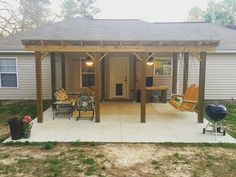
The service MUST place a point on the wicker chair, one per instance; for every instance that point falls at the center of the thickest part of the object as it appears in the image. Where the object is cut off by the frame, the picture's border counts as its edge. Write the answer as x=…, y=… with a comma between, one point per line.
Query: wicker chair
x=85, y=103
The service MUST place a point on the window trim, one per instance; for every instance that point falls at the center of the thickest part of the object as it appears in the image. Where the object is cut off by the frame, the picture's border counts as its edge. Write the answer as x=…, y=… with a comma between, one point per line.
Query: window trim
x=81, y=75
x=17, y=74
x=163, y=58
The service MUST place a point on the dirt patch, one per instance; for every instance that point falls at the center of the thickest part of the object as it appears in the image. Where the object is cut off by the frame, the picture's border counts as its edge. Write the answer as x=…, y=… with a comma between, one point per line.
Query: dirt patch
x=119, y=160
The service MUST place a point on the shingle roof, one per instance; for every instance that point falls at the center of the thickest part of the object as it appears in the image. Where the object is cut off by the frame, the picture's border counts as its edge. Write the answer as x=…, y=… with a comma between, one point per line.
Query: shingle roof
x=127, y=30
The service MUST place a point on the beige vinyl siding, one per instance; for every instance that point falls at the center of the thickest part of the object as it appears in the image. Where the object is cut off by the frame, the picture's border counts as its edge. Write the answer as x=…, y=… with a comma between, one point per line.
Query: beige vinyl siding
x=26, y=79
x=220, y=75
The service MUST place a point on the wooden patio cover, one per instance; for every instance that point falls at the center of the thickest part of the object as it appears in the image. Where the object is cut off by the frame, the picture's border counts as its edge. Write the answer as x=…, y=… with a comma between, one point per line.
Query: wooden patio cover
x=97, y=50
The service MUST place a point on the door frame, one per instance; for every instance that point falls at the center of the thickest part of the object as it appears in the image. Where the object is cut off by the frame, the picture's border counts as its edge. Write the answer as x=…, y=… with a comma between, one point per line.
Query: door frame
x=110, y=78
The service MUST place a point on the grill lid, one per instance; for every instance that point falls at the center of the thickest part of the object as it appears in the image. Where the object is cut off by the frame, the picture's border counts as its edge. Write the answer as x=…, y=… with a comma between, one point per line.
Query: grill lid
x=216, y=108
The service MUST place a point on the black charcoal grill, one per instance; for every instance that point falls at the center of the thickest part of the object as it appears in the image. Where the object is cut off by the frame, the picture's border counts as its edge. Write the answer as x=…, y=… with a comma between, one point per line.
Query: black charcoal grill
x=216, y=114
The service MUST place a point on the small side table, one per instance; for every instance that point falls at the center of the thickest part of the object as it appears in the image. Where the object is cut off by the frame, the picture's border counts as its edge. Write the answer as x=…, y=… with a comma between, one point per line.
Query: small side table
x=163, y=90
x=62, y=108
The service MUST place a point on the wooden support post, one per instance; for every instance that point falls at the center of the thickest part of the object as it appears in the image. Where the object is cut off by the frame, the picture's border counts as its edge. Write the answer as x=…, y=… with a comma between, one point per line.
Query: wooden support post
x=39, y=88
x=185, y=72
x=175, y=73
x=63, y=71
x=134, y=77
x=97, y=58
x=103, y=79
x=202, y=78
x=97, y=90
x=143, y=91
x=53, y=75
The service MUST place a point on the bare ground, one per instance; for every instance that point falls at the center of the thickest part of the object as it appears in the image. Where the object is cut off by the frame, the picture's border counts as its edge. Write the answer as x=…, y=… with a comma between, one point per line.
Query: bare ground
x=119, y=160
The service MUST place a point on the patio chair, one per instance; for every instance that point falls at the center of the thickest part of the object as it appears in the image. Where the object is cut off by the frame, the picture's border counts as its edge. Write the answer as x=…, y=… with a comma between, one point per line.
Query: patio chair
x=188, y=101
x=85, y=103
x=63, y=105
x=62, y=95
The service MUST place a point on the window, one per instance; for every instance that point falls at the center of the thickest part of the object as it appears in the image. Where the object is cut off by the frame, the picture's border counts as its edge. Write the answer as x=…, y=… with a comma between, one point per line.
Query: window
x=162, y=66
x=8, y=72
x=88, y=75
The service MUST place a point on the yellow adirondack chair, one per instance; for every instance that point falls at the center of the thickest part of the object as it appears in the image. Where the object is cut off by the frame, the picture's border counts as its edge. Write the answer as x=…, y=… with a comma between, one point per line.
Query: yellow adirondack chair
x=188, y=101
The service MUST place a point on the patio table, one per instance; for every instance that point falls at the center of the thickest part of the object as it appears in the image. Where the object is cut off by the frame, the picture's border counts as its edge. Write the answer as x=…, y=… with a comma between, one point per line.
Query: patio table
x=62, y=108
x=163, y=90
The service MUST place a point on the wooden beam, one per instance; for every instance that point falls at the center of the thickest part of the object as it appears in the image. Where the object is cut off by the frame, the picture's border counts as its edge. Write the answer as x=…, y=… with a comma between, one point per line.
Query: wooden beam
x=63, y=71
x=44, y=55
x=105, y=54
x=143, y=91
x=109, y=49
x=185, y=72
x=39, y=88
x=97, y=90
x=53, y=75
x=175, y=73
x=137, y=56
x=202, y=78
x=150, y=56
x=90, y=56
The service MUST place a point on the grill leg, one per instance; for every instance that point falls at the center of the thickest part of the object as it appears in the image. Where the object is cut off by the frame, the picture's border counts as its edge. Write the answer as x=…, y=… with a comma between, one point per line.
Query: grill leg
x=207, y=125
x=215, y=130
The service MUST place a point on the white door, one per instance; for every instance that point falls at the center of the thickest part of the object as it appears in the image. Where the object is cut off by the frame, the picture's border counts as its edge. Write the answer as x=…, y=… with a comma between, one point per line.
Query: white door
x=119, y=69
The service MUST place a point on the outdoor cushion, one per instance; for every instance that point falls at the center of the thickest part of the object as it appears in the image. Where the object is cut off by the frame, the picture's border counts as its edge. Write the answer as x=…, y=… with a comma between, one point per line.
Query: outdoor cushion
x=85, y=103
x=61, y=95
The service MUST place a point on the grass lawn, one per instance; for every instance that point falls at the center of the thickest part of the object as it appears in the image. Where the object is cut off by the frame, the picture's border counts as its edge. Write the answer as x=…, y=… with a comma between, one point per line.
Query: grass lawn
x=121, y=159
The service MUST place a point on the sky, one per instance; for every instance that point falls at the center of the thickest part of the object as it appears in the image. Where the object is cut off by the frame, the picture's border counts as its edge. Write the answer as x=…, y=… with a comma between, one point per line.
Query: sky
x=147, y=10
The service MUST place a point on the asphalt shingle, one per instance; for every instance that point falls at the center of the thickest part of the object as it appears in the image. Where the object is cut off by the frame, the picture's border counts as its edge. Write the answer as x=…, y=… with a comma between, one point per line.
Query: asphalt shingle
x=123, y=30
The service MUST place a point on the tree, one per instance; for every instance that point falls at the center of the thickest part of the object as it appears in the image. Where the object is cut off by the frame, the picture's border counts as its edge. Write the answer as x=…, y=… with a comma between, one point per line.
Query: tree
x=221, y=13
x=33, y=13
x=82, y=8
x=230, y=8
x=216, y=14
x=69, y=9
x=7, y=18
x=87, y=8
x=195, y=14
x=27, y=14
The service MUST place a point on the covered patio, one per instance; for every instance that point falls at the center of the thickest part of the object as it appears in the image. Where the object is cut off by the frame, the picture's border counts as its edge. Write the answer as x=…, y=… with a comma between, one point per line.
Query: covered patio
x=141, y=50
x=121, y=123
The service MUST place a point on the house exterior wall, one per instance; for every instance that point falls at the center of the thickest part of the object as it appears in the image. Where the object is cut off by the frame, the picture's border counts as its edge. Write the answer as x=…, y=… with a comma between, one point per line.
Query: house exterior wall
x=26, y=79
x=220, y=76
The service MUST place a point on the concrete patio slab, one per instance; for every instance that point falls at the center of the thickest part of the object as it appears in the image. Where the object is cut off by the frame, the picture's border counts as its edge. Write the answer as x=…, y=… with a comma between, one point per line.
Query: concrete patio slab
x=120, y=122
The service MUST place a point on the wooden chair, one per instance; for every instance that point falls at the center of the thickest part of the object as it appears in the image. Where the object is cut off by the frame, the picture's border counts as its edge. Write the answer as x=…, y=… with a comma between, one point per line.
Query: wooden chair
x=188, y=101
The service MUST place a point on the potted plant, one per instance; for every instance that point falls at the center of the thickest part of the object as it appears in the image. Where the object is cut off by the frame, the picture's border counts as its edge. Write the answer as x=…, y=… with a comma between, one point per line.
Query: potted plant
x=27, y=125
